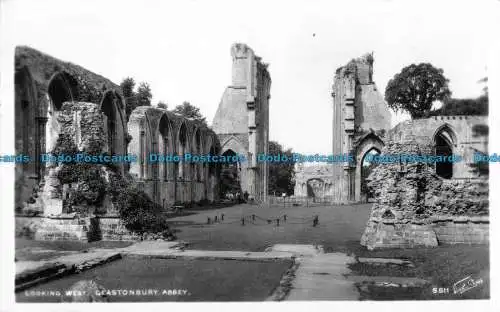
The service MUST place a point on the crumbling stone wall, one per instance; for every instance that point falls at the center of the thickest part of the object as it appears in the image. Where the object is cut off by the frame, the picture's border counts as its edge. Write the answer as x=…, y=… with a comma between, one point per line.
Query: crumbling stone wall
x=305, y=177
x=157, y=131
x=360, y=118
x=43, y=83
x=416, y=207
x=242, y=118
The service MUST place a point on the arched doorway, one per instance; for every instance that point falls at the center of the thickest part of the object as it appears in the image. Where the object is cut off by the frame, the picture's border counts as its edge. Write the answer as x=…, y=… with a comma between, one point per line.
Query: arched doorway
x=444, y=142
x=182, y=149
x=109, y=111
x=165, y=148
x=370, y=143
x=367, y=167
x=230, y=177
x=315, y=189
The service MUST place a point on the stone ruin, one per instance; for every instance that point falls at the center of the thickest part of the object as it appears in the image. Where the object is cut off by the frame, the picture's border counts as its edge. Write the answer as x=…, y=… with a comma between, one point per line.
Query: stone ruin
x=416, y=207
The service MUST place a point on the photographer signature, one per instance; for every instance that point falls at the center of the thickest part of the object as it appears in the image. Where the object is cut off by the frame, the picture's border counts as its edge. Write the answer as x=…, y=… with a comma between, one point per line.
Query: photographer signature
x=466, y=284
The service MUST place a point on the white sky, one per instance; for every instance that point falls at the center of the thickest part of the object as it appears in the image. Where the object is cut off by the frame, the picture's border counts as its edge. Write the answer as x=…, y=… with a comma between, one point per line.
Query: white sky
x=182, y=48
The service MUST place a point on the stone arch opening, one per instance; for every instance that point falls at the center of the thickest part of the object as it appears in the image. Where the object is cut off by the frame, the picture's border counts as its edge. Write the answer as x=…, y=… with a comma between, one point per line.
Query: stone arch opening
x=367, y=167
x=25, y=109
x=371, y=142
x=444, y=142
x=182, y=149
x=109, y=110
x=197, y=167
x=62, y=88
x=165, y=147
x=315, y=188
x=230, y=176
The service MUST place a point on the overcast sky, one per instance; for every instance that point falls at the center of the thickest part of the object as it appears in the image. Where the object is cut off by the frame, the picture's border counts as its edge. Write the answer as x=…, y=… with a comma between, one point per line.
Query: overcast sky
x=182, y=48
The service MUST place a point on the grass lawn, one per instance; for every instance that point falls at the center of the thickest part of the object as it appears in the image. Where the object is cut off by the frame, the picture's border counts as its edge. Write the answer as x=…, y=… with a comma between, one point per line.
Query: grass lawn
x=205, y=280
x=339, y=227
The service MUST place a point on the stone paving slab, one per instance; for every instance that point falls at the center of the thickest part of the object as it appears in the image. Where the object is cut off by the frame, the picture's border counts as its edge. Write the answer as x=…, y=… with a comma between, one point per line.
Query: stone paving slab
x=320, y=276
x=213, y=254
x=388, y=281
x=386, y=261
x=297, y=250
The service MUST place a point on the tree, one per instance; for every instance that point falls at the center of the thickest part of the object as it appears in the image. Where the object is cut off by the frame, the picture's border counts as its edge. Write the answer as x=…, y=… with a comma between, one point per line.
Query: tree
x=416, y=88
x=162, y=105
x=281, y=174
x=468, y=107
x=144, y=94
x=189, y=111
x=127, y=85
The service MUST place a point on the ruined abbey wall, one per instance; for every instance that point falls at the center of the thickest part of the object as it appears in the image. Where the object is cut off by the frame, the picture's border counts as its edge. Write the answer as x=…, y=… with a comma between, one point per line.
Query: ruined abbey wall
x=57, y=100
x=43, y=84
x=242, y=119
x=415, y=206
x=157, y=131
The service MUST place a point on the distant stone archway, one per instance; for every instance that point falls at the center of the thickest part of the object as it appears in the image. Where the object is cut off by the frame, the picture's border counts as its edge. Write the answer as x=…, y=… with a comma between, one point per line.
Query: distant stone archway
x=315, y=188
x=230, y=175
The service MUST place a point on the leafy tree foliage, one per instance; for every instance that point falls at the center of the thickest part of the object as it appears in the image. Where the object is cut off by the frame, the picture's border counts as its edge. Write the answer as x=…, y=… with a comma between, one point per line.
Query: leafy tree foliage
x=144, y=94
x=190, y=111
x=127, y=85
x=416, y=88
x=281, y=174
x=162, y=105
x=133, y=99
x=478, y=106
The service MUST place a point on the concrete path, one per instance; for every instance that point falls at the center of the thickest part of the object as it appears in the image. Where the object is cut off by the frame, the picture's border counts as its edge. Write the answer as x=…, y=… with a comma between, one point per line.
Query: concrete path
x=319, y=276
x=175, y=250
x=323, y=277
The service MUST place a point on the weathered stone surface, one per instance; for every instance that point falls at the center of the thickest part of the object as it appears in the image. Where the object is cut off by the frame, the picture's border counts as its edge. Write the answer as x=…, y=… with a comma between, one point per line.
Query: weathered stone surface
x=242, y=118
x=416, y=207
x=360, y=119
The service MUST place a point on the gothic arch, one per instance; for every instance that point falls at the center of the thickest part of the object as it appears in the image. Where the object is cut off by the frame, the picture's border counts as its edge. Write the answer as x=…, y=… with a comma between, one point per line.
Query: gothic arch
x=445, y=142
x=26, y=132
x=315, y=188
x=165, y=147
x=62, y=87
x=146, y=148
x=197, y=149
x=182, y=148
x=114, y=127
x=368, y=143
x=234, y=144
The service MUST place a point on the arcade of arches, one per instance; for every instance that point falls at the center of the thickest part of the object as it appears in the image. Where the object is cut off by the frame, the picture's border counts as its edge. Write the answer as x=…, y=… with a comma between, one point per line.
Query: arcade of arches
x=57, y=101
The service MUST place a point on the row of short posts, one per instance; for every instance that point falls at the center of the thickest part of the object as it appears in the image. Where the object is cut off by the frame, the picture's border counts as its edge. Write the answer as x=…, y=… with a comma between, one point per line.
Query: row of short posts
x=215, y=219
x=269, y=221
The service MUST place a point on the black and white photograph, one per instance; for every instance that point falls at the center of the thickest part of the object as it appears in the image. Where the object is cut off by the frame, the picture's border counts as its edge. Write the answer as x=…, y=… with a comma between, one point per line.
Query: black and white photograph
x=247, y=151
